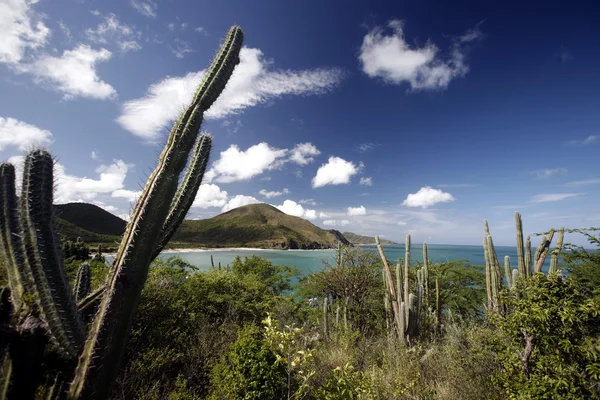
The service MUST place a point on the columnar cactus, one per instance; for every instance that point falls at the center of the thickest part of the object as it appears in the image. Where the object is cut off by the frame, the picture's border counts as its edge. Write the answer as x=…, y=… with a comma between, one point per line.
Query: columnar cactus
x=82, y=282
x=556, y=252
x=528, y=263
x=35, y=266
x=508, y=272
x=520, y=245
x=393, y=295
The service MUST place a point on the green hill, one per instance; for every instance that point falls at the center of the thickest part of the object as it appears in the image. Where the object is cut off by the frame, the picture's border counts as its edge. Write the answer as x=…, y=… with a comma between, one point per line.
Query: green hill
x=360, y=239
x=257, y=225
x=88, y=222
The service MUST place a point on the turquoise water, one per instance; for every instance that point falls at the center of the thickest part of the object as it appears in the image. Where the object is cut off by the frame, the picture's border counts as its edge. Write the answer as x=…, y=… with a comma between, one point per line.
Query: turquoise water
x=312, y=260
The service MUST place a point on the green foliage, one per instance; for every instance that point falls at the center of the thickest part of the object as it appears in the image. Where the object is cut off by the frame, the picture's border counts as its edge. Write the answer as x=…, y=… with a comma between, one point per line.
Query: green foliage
x=584, y=266
x=553, y=344
x=249, y=371
x=462, y=288
x=346, y=383
x=355, y=284
x=277, y=277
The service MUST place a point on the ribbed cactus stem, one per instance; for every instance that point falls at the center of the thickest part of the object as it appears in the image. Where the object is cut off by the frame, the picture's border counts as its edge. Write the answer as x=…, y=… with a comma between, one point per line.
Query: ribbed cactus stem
x=520, y=244
x=542, y=251
x=556, y=252
x=426, y=272
x=393, y=295
x=83, y=282
x=386, y=299
x=515, y=276
x=495, y=275
x=406, y=274
x=12, y=250
x=325, y=318
x=438, y=304
x=488, y=274
x=99, y=363
x=399, y=281
x=44, y=255
x=508, y=272
x=486, y=227
x=528, y=263
x=413, y=313
x=186, y=194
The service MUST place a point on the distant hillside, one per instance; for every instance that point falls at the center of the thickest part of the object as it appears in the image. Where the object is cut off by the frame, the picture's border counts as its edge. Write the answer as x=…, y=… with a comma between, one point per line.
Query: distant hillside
x=257, y=225
x=89, y=222
x=360, y=239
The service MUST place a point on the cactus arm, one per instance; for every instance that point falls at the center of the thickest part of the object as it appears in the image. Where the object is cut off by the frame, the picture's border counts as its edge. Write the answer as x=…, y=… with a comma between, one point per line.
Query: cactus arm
x=426, y=272
x=44, y=255
x=103, y=351
x=520, y=245
x=393, y=295
x=488, y=273
x=82, y=282
x=542, y=251
x=406, y=273
x=508, y=272
x=186, y=194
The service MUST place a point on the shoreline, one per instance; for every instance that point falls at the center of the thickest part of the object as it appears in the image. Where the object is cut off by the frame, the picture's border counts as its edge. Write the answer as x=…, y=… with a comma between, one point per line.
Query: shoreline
x=223, y=249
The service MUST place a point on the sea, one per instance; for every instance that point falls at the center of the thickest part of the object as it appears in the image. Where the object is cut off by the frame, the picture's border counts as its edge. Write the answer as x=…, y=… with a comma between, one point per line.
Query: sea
x=308, y=261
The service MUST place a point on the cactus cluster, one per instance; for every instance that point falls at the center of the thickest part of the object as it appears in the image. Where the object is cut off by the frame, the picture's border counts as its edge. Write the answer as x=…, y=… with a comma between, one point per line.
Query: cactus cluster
x=526, y=266
x=40, y=313
x=408, y=308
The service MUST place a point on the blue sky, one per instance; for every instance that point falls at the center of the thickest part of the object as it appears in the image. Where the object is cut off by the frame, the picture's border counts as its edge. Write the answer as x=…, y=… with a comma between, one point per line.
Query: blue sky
x=373, y=117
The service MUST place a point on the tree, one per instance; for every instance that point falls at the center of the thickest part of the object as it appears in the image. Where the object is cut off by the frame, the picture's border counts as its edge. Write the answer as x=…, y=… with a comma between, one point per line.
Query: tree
x=584, y=266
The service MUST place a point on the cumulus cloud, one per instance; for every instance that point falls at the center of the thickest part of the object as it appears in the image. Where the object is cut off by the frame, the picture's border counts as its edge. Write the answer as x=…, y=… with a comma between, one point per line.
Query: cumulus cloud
x=335, y=172
x=366, y=181
x=74, y=73
x=22, y=29
x=238, y=201
x=427, y=197
x=303, y=153
x=549, y=197
x=353, y=211
x=270, y=195
x=391, y=58
x=322, y=215
x=130, y=195
x=290, y=207
x=252, y=83
x=71, y=188
x=21, y=134
x=336, y=222
x=237, y=165
x=310, y=202
x=210, y=195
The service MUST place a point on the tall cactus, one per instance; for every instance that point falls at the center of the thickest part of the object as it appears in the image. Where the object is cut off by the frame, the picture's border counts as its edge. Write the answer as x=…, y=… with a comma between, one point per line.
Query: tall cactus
x=556, y=252
x=528, y=263
x=520, y=244
x=34, y=259
x=82, y=282
x=508, y=272
x=393, y=294
x=542, y=251
x=406, y=273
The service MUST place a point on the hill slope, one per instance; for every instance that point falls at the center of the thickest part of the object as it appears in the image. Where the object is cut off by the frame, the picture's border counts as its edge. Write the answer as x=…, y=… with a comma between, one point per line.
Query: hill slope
x=257, y=225
x=89, y=222
x=360, y=239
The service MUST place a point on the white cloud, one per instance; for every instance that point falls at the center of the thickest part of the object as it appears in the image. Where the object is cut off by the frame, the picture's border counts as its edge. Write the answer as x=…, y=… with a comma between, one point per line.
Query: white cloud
x=290, y=207
x=238, y=201
x=310, y=202
x=251, y=84
x=584, y=182
x=201, y=30
x=303, y=153
x=272, y=194
x=73, y=73
x=336, y=222
x=22, y=29
x=237, y=165
x=548, y=197
x=401, y=223
x=210, y=195
x=21, y=134
x=146, y=8
x=363, y=147
x=547, y=173
x=180, y=48
x=94, y=156
x=391, y=58
x=130, y=195
x=366, y=181
x=353, y=211
x=458, y=185
x=337, y=171
x=111, y=29
x=70, y=188
x=582, y=142
x=427, y=197
x=322, y=215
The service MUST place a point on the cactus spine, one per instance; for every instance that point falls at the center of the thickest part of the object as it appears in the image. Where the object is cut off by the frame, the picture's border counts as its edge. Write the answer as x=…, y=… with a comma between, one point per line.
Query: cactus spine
x=34, y=258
